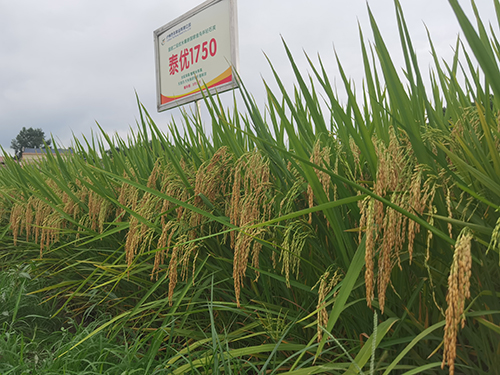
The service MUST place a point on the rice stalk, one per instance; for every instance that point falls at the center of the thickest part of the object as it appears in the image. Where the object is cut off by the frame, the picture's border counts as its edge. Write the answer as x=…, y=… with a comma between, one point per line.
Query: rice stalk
x=181, y=256
x=51, y=228
x=128, y=197
x=249, y=205
x=367, y=224
x=458, y=292
x=213, y=180
x=141, y=232
x=17, y=213
x=387, y=230
x=326, y=282
x=321, y=157
x=164, y=243
x=71, y=207
x=495, y=238
x=295, y=239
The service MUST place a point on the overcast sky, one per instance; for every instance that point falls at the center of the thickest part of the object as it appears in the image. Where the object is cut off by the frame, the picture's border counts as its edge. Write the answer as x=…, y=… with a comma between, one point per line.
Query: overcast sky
x=67, y=64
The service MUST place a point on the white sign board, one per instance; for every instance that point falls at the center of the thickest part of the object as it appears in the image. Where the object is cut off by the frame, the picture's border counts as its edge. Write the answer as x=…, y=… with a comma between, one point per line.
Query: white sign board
x=199, y=46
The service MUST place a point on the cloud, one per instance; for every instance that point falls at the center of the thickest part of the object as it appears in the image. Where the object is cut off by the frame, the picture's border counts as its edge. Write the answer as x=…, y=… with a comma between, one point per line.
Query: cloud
x=67, y=64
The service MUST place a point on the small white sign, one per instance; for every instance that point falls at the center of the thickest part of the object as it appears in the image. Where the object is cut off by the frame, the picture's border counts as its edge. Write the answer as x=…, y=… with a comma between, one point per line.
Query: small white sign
x=200, y=46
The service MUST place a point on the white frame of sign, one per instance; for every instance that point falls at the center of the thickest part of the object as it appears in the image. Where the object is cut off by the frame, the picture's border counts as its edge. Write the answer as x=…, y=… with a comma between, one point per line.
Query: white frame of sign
x=199, y=48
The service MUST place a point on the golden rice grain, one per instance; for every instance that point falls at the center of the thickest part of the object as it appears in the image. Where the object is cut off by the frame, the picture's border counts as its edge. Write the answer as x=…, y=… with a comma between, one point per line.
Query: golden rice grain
x=495, y=238
x=326, y=282
x=387, y=229
x=294, y=240
x=370, y=250
x=172, y=270
x=16, y=217
x=458, y=292
x=212, y=181
x=248, y=206
x=164, y=242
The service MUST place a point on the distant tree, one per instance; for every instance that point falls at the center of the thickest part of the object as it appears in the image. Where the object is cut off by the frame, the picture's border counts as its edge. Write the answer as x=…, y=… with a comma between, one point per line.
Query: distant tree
x=28, y=138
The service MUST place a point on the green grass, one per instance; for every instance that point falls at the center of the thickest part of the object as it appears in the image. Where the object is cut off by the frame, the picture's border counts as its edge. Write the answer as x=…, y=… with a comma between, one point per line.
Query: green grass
x=32, y=341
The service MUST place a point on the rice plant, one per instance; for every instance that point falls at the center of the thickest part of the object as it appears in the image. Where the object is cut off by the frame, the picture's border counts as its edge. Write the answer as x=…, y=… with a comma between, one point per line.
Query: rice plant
x=270, y=246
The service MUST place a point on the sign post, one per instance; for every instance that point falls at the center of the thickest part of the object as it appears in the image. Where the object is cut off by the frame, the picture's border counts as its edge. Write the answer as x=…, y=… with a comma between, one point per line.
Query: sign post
x=199, y=46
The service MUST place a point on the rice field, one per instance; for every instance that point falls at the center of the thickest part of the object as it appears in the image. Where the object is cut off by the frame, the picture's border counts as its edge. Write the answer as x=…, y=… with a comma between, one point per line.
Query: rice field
x=363, y=238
